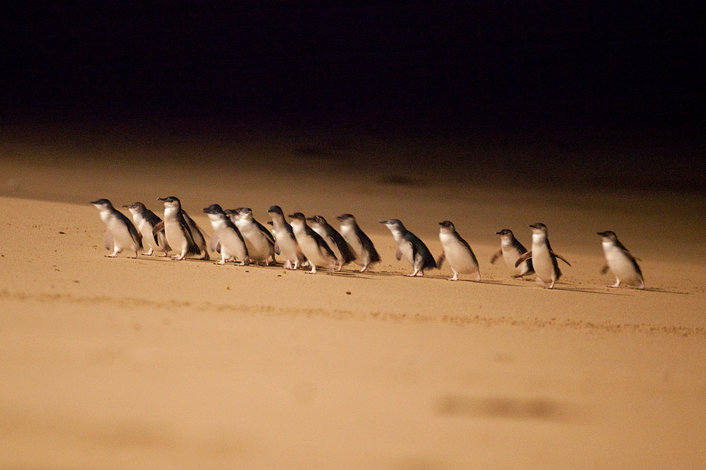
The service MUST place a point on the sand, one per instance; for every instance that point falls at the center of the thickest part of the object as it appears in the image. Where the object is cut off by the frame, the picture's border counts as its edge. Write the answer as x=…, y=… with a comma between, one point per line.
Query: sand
x=153, y=363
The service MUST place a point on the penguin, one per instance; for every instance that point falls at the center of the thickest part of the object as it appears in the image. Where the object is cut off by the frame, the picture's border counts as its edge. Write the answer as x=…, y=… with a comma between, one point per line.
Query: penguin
x=285, y=240
x=314, y=247
x=620, y=261
x=544, y=260
x=183, y=235
x=145, y=221
x=510, y=250
x=362, y=246
x=411, y=247
x=259, y=240
x=120, y=233
x=230, y=240
x=344, y=253
x=457, y=251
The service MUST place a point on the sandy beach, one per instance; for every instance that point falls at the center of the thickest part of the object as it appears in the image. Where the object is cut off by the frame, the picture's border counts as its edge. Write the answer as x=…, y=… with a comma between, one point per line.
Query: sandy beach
x=154, y=363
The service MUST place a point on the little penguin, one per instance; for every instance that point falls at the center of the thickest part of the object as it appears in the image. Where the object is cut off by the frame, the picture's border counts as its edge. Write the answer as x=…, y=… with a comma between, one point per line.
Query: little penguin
x=259, y=240
x=120, y=233
x=183, y=235
x=457, y=251
x=510, y=250
x=544, y=260
x=344, y=253
x=362, y=246
x=620, y=261
x=285, y=240
x=230, y=240
x=411, y=247
x=314, y=247
x=145, y=221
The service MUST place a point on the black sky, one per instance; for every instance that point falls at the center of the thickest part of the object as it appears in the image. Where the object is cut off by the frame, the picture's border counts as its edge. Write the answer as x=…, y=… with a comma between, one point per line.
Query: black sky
x=502, y=65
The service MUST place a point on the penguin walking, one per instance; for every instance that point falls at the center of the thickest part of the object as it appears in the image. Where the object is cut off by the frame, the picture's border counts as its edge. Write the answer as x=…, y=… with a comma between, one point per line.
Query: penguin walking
x=544, y=260
x=511, y=250
x=182, y=233
x=285, y=240
x=411, y=247
x=145, y=221
x=360, y=243
x=230, y=240
x=259, y=240
x=339, y=246
x=314, y=247
x=457, y=251
x=620, y=261
x=120, y=233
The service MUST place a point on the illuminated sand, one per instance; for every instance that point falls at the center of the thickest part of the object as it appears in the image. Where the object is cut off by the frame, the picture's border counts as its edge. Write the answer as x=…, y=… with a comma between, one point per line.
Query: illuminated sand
x=150, y=363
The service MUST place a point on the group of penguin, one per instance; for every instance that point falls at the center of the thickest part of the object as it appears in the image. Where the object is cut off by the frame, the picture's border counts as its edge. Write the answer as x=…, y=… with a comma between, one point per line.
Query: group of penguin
x=312, y=242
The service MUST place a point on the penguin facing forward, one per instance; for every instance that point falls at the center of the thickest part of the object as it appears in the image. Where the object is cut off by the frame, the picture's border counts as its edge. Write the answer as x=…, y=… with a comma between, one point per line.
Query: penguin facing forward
x=285, y=240
x=230, y=240
x=145, y=221
x=339, y=246
x=360, y=243
x=178, y=231
x=620, y=261
x=259, y=240
x=411, y=247
x=457, y=252
x=511, y=250
x=120, y=233
x=544, y=260
x=314, y=248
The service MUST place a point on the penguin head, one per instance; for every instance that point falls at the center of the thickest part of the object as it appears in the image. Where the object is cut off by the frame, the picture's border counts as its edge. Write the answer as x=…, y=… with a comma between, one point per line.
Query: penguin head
x=244, y=213
x=275, y=210
x=538, y=228
x=316, y=220
x=102, y=204
x=213, y=209
x=447, y=225
x=346, y=219
x=609, y=234
x=170, y=201
x=298, y=218
x=393, y=224
x=504, y=232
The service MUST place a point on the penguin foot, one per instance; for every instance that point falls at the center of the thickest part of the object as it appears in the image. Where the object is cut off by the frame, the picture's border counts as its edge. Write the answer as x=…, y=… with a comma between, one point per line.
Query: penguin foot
x=149, y=253
x=616, y=285
x=112, y=255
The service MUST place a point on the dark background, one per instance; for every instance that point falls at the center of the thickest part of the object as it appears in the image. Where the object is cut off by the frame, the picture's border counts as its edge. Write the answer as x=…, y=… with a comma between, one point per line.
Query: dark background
x=624, y=75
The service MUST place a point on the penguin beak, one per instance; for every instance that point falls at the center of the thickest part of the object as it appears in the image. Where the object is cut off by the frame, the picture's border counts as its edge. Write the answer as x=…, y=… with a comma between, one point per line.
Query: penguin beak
x=161, y=198
x=383, y=221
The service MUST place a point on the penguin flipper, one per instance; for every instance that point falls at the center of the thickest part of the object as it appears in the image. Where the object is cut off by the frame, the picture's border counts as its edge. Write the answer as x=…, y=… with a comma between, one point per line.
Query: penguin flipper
x=604, y=269
x=525, y=256
x=561, y=258
x=440, y=260
x=398, y=254
x=495, y=257
x=158, y=227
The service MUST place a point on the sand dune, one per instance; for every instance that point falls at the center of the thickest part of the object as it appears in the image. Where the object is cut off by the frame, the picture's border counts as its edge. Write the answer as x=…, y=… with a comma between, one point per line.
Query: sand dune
x=153, y=363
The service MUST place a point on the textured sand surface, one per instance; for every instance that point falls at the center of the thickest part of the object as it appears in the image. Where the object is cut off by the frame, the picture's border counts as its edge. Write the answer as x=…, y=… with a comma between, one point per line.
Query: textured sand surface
x=153, y=363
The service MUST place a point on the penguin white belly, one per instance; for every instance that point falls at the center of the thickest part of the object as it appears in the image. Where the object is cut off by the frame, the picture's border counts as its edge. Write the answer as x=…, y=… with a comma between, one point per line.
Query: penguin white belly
x=620, y=264
x=146, y=231
x=175, y=236
x=312, y=252
x=361, y=256
x=510, y=256
x=542, y=262
x=232, y=245
x=121, y=235
x=258, y=246
x=287, y=246
x=406, y=250
x=458, y=256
